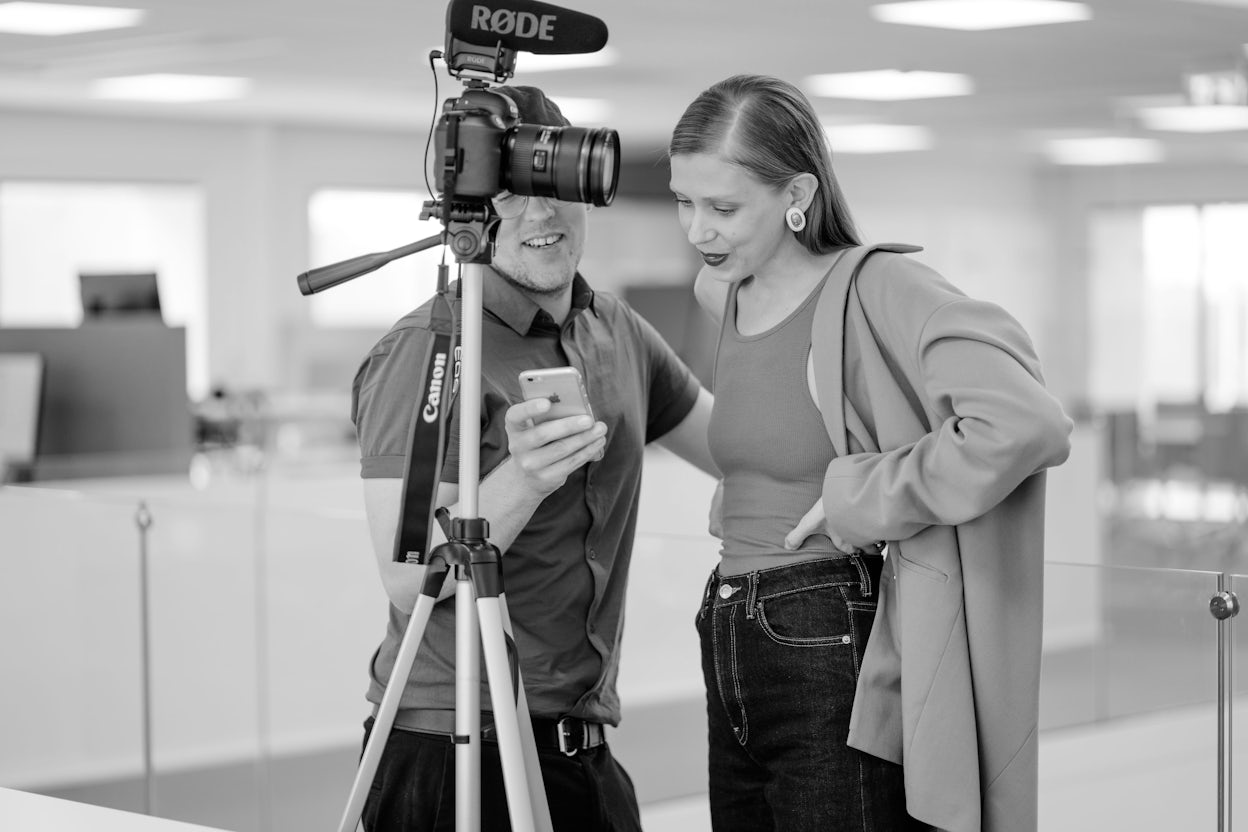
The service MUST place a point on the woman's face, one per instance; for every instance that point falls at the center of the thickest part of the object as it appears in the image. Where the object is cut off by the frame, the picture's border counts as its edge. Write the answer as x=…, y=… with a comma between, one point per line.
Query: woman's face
x=735, y=221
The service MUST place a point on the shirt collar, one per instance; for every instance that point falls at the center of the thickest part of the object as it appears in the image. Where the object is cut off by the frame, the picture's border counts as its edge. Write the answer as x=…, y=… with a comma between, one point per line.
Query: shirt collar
x=520, y=312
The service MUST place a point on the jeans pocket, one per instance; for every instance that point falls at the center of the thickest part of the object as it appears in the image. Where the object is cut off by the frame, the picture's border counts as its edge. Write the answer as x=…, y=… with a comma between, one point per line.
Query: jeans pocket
x=815, y=616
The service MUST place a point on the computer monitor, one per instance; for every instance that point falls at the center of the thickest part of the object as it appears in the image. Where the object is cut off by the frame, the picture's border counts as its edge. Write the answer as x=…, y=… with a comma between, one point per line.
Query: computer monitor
x=132, y=295
x=114, y=399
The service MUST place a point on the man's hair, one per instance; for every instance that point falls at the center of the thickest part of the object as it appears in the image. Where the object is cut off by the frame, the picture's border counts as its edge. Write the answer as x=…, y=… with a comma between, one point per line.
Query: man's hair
x=534, y=106
x=768, y=127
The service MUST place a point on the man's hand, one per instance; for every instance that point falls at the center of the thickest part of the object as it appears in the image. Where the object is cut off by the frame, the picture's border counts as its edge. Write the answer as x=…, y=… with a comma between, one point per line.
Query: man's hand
x=547, y=453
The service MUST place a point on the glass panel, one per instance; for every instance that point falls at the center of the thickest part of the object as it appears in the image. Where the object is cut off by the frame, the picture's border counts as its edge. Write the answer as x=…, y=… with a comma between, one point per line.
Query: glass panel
x=1129, y=676
x=206, y=716
x=324, y=616
x=71, y=703
x=662, y=737
x=1239, y=705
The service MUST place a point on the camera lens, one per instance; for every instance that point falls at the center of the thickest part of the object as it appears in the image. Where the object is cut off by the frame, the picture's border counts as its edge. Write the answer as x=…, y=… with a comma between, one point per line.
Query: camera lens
x=574, y=164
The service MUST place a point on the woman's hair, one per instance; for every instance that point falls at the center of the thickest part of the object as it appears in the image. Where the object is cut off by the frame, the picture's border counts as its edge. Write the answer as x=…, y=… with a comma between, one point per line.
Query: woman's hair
x=768, y=127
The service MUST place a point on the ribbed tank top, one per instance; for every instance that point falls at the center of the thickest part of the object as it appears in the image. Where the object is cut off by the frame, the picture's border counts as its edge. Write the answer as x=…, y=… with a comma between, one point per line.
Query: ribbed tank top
x=768, y=439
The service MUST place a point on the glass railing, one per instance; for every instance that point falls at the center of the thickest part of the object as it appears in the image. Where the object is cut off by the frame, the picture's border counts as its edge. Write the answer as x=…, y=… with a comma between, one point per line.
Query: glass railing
x=196, y=646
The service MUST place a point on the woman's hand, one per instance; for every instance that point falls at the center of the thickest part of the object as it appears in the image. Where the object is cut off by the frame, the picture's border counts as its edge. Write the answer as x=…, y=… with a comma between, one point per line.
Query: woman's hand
x=816, y=522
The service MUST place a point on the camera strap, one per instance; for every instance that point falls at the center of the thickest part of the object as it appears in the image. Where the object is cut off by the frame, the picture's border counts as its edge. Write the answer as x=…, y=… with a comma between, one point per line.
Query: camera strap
x=426, y=446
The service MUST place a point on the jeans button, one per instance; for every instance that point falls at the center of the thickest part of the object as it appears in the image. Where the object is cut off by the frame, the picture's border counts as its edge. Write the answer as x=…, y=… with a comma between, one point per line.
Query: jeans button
x=726, y=591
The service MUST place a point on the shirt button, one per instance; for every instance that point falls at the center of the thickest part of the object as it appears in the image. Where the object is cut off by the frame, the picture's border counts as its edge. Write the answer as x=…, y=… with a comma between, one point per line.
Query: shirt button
x=592, y=554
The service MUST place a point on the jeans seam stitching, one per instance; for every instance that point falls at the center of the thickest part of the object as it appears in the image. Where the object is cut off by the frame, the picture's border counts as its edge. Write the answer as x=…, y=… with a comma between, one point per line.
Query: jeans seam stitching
x=736, y=682
x=781, y=594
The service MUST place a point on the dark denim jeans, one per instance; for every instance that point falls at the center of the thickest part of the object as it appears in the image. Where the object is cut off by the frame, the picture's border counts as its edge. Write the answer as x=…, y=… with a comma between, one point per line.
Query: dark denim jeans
x=781, y=650
x=414, y=789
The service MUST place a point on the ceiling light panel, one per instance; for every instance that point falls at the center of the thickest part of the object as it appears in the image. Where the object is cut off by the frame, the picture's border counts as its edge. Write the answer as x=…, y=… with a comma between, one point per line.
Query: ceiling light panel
x=1104, y=150
x=889, y=85
x=51, y=19
x=1186, y=118
x=878, y=138
x=171, y=88
x=980, y=15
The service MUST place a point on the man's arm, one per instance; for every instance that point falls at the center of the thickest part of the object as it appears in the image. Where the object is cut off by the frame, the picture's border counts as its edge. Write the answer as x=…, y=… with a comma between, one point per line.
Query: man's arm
x=688, y=439
x=542, y=457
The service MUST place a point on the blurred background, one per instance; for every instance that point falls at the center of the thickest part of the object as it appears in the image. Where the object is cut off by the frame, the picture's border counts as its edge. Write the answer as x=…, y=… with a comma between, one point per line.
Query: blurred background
x=187, y=595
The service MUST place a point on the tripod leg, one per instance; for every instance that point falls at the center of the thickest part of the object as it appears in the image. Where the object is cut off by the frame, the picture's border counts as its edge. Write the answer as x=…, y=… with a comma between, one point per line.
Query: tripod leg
x=537, y=790
x=390, y=699
x=505, y=717
x=467, y=707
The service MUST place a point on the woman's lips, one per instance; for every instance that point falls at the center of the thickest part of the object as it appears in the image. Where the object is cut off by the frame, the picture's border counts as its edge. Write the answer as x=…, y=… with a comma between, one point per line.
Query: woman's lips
x=713, y=259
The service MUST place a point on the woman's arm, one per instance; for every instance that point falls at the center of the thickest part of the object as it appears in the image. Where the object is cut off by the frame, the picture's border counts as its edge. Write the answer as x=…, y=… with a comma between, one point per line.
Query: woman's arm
x=995, y=425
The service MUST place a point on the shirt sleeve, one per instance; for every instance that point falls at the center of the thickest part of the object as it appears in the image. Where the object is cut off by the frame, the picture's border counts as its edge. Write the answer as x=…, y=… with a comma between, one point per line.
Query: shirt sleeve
x=383, y=396
x=993, y=424
x=673, y=386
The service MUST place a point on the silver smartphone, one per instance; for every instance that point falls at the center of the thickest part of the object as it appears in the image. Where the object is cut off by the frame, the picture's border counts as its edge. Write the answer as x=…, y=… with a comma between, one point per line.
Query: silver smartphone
x=563, y=386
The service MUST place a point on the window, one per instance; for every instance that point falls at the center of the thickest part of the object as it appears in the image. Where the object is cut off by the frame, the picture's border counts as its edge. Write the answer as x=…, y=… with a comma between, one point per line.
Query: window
x=52, y=231
x=1169, y=306
x=348, y=223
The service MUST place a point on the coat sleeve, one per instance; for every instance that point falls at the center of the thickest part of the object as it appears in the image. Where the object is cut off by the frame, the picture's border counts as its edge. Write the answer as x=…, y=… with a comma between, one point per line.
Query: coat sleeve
x=990, y=424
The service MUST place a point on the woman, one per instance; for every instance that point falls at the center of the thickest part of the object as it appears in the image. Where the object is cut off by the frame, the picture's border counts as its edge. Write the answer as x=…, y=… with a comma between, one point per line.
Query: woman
x=941, y=426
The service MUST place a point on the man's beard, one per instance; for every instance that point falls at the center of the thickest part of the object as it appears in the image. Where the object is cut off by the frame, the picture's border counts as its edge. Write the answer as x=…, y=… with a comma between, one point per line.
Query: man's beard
x=525, y=286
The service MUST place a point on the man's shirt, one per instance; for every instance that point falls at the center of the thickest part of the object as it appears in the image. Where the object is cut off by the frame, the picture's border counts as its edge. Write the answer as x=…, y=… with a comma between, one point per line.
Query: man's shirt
x=564, y=576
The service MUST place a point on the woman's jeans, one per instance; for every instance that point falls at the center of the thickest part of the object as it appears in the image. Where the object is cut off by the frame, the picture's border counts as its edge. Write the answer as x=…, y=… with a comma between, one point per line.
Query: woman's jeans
x=781, y=650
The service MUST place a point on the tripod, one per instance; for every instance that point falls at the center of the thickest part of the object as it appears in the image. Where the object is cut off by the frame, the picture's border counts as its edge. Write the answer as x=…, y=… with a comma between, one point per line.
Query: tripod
x=478, y=576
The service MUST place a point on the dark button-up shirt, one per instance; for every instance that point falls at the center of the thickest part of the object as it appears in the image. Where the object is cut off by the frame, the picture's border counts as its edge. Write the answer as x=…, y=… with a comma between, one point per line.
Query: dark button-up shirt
x=564, y=576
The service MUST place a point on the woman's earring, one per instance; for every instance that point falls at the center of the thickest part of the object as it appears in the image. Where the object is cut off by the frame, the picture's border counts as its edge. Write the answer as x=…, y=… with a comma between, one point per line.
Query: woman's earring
x=795, y=219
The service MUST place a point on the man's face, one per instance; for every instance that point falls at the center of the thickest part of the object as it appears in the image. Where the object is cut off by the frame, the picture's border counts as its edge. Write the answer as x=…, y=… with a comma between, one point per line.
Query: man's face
x=540, y=249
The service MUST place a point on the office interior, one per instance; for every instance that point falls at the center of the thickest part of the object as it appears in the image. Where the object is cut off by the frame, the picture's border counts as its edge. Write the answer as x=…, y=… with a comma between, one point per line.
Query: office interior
x=188, y=599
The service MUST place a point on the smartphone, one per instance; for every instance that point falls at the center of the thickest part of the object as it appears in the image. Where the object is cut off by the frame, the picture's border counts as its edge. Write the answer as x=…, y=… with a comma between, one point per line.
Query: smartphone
x=563, y=386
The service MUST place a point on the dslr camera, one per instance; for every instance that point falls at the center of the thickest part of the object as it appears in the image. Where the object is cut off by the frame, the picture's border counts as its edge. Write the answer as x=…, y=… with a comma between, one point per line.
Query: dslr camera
x=482, y=146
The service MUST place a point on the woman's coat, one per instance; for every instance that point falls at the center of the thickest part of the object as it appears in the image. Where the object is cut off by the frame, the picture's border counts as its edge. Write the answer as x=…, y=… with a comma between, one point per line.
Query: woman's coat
x=942, y=442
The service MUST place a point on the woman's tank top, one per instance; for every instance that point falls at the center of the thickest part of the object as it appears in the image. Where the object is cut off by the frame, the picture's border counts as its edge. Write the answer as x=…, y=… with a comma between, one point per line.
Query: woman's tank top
x=768, y=439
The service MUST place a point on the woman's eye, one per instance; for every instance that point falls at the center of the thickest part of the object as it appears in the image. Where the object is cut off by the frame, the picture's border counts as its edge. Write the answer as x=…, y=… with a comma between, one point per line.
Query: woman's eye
x=726, y=212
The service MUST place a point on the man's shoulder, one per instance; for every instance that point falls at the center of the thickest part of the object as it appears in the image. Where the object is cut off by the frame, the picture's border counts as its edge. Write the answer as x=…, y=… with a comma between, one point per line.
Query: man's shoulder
x=415, y=325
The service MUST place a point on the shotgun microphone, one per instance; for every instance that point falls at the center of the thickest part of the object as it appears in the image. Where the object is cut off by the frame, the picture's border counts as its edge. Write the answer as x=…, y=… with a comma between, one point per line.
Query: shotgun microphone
x=525, y=26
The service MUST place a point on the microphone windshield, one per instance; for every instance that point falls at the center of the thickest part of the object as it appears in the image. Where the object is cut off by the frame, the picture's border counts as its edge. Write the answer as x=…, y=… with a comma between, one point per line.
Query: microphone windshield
x=525, y=26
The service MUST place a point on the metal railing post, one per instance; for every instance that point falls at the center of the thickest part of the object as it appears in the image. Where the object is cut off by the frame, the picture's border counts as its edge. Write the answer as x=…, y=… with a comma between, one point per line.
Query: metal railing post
x=143, y=520
x=1224, y=606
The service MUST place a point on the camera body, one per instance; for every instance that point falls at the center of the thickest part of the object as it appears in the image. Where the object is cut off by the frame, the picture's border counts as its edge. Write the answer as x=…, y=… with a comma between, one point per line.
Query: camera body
x=494, y=151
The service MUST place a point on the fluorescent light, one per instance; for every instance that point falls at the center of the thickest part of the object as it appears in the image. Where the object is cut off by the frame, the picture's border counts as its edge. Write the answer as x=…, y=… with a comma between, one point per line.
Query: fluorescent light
x=526, y=63
x=889, y=85
x=171, y=88
x=877, y=138
x=977, y=15
x=1182, y=118
x=1104, y=150
x=60, y=19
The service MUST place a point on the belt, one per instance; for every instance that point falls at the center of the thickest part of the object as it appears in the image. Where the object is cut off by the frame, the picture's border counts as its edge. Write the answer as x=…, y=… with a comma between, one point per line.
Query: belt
x=568, y=734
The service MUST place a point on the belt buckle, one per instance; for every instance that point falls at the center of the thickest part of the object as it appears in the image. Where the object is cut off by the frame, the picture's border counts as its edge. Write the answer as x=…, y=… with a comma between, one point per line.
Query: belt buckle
x=563, y=730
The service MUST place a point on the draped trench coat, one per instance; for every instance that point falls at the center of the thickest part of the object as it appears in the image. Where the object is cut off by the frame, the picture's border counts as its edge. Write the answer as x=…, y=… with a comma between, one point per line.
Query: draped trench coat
x=942, y=441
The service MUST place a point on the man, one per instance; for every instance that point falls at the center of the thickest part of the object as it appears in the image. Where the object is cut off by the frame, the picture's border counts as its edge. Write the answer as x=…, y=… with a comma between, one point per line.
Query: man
x=561, y=501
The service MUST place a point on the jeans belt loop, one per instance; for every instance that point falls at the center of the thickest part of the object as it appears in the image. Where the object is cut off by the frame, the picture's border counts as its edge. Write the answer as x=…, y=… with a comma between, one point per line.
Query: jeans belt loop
x=564, y=729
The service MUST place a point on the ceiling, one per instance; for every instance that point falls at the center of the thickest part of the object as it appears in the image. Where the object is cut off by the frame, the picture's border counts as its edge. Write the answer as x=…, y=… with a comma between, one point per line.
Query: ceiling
x=364, y=63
